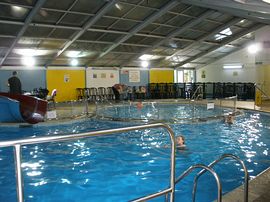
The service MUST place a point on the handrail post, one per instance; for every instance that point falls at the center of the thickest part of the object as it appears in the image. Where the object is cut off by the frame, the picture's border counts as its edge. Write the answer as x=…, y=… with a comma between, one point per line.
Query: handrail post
x=214, y=163
x=205, y=168
x=18, y=170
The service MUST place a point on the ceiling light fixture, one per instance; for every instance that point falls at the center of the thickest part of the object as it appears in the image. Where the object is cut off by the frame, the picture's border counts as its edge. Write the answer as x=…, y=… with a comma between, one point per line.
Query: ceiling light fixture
x=145, y=64
x=232, y=66
x=266, y=1
x=74, y=62
x=118, y=6
x=254, y=48
x=28, y=61
x=149, y=57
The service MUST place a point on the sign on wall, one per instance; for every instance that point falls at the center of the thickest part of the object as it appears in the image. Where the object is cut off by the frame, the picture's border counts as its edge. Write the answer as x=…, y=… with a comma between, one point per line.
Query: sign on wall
x=66, y=78
x=134, y=76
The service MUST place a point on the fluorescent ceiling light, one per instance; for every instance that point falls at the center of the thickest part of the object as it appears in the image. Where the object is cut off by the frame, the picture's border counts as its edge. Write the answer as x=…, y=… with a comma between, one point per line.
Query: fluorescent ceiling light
x=232, y=66
x=76, y=54
x=149, y=57
x=223, y=34
x=31, y=52
x=118, y=6
x=241, y=1
x=18, y=11
x=73, y=54
x=266, y=1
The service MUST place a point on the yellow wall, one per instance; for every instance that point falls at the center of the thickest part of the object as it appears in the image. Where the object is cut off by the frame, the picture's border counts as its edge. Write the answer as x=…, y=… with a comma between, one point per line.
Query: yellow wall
x=66, y=90
x=161, y=76
x=266, y=79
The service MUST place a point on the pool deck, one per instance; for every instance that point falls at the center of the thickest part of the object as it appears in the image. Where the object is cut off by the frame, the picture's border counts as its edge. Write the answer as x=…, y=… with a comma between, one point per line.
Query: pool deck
x=259, y=190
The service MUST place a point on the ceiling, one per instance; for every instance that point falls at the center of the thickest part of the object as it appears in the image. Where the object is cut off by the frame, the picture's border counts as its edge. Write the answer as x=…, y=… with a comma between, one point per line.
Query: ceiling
x=115, y=33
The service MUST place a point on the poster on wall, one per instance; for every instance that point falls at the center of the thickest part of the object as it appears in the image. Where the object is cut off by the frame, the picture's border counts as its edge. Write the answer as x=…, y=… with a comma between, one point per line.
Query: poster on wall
x=94, y=76
x=134, y=76
x=66, y=78
x=124, y=71
x=103, y=75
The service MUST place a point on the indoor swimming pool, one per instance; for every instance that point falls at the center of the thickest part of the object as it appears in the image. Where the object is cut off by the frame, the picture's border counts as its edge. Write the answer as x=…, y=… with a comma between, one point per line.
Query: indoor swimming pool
x=125, y=166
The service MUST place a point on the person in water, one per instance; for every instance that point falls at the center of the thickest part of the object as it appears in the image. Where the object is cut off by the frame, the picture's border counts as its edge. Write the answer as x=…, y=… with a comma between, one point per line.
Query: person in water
x=229, y=119
x=180, y=142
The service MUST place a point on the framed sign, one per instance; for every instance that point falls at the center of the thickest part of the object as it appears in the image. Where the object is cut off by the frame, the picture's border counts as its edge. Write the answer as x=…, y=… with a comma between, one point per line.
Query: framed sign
x=134, y=76
x=66, y=78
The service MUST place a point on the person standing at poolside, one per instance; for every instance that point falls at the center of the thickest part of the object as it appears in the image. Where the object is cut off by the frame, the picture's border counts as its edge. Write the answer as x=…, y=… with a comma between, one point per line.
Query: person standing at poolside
x=14, y=83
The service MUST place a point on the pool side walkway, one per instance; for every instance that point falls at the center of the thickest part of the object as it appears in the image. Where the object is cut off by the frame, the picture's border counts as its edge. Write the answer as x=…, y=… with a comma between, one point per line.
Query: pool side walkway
x=259, y=190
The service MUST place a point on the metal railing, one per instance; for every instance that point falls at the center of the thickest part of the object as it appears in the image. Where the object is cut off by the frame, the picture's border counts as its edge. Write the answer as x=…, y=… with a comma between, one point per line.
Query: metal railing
x=205, y=168
x=262, y=91
x=198, y=90
x=214, y=163
x=234, y=98
x=17, y=144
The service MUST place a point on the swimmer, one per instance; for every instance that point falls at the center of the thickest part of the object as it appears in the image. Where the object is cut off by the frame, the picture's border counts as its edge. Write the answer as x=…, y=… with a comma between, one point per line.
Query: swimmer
x=139, y=105
x=180, y=142
x=229, y=119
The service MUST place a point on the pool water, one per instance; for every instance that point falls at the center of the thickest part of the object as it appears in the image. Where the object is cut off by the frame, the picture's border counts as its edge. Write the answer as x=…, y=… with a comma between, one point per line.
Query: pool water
x=160, y=111
x=123, y=167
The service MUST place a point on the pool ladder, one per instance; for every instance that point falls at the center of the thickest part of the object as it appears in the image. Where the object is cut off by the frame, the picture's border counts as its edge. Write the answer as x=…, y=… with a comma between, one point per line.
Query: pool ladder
x=209, y=169
x=17, y=145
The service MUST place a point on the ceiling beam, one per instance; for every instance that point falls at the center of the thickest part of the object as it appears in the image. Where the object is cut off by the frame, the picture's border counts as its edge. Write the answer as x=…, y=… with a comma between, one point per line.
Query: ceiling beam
x=176, y=32
x=88, y=24
x=98, y=30
x=229, y=40
x=140, y=26
x=27, y=21
x=255, y=10
x=215, y=31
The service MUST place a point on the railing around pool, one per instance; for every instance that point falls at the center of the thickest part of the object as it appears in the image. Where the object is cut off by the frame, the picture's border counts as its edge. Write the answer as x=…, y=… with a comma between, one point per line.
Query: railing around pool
x=205, y=168
x=17, y=144
x=214, y=163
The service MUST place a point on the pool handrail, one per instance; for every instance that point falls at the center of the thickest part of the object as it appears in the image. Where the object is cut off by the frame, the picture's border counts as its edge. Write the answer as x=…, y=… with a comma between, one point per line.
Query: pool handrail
x=214, y=163
x=261, y=90
x=37, y=140
x=230, y=98
x=194, y=94
x=205, y=168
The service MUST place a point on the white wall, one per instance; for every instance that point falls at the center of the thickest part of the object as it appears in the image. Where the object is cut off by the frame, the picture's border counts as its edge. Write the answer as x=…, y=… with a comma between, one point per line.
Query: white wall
x=101, y=77
x=215, y=72
x=251, y=72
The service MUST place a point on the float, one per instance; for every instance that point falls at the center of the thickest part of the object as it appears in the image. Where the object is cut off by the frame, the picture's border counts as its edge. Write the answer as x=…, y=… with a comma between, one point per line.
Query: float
x=17, y=108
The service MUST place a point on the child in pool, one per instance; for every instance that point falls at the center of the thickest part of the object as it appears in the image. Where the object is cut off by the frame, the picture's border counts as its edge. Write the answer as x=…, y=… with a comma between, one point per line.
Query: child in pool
x=229, y=119
x=180, y=142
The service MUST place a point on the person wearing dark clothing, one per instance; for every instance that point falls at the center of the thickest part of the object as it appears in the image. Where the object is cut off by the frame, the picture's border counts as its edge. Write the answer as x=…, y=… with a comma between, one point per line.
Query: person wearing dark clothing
x=14, y=84
x=116, y=93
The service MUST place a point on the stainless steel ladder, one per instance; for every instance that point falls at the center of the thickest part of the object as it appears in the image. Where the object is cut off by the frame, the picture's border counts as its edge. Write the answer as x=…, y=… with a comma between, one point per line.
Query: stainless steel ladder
x=214, y=163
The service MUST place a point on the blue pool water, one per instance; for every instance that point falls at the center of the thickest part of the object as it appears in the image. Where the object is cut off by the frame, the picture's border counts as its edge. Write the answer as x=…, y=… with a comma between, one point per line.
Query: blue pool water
x=161, y=111
x=122, y=167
